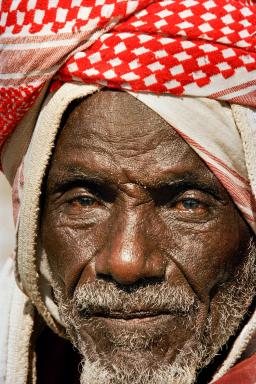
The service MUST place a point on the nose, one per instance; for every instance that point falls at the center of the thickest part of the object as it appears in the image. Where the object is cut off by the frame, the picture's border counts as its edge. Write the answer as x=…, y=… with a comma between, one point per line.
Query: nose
x=130, y=253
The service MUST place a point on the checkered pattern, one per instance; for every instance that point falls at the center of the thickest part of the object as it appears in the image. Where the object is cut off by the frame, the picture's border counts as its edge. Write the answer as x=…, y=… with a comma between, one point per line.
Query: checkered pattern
x=14, y=103
x=178, y=43
x=30, y=17
x=183, y=47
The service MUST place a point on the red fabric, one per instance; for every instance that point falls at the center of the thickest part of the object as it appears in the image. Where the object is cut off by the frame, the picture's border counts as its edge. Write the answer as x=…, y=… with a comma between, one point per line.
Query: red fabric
x=242, y=373
x=182, y=47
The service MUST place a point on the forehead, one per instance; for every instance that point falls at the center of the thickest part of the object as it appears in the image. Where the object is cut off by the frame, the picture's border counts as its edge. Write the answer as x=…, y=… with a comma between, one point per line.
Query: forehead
x=114, y=134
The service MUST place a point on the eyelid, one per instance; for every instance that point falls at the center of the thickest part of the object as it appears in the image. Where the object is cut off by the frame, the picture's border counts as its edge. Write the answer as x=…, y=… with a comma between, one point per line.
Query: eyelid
x=102, y=191
x=167, y=192
x=194, y=192
x=68, y=196
x=84, y=201
x=170, y=199
x=80, y=194
x=205, y=189
x=200, y=202
x=197, y=195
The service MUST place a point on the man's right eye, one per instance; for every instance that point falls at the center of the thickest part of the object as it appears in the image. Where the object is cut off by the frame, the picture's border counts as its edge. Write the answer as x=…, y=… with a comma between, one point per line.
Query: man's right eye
x=82, y=201
x=85, y=201
x=80, y=207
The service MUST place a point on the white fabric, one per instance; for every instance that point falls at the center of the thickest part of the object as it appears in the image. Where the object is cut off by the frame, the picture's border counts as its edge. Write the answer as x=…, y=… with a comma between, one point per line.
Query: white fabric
x=246, y=122
x=208, y=121
x=16, y=326
x=6, y=288
x=210, y=128
x=35, y=163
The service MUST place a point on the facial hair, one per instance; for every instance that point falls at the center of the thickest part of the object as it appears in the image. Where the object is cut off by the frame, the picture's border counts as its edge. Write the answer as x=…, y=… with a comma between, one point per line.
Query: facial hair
x=230, y=306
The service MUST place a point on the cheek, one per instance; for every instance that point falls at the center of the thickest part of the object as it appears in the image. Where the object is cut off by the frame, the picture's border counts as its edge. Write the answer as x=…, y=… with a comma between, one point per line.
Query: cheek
x=71, y=250
x=209, y=255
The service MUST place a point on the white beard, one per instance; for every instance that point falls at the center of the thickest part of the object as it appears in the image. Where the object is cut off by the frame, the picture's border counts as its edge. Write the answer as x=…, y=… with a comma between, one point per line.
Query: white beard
x=94, y=373
x=232, y=303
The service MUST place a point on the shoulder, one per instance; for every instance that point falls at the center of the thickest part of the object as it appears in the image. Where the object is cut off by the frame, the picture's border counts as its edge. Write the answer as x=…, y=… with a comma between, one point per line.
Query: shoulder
x=7, y=286
x=16, y=326
x=242, y=373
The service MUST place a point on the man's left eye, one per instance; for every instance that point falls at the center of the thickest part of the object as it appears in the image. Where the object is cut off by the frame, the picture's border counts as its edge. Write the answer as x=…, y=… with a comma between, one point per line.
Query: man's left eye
x=191, y=205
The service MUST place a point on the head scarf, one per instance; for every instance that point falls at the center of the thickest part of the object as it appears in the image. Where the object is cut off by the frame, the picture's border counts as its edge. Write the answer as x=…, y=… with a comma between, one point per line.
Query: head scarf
x=201, y=48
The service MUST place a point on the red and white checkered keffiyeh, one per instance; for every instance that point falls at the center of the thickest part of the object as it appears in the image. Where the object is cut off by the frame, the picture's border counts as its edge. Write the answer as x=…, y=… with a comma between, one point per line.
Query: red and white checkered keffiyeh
x=181, y=47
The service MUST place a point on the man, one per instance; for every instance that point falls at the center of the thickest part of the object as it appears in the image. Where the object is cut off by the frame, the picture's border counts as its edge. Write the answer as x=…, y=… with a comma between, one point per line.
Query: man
x=136, y=219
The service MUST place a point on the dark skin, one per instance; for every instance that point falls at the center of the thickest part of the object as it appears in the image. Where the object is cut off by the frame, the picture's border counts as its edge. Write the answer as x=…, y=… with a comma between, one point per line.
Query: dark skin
x=128, y=201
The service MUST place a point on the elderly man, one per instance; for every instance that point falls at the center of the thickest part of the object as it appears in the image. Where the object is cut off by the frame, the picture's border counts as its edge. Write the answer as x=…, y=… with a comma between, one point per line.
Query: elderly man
x=134, y=187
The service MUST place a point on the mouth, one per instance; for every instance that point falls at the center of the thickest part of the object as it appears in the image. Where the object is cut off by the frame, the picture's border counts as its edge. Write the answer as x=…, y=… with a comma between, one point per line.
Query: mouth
x=133, y=321
x=133, y=315
x=128, y=316
x=138, y=319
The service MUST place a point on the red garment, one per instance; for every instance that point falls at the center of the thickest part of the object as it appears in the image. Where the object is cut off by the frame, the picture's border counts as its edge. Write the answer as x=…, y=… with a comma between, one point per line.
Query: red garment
x=242, y=373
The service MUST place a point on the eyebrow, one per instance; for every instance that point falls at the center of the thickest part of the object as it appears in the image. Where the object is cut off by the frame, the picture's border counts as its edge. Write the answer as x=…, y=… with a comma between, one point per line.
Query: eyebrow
x=105, y=186
x=189, y=179
x=76, y=177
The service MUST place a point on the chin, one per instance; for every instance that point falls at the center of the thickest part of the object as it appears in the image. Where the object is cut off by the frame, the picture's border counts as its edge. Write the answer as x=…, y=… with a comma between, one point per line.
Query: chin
x=135, y=357
x=136, y=370
x=138, y=353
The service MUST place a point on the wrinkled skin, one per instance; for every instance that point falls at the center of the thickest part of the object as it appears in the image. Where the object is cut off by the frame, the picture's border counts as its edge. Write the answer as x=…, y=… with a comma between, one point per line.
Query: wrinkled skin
x=128, y=201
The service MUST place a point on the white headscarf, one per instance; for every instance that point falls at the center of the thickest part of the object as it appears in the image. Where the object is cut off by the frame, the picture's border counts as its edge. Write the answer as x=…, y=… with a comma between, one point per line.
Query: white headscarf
x=221, y=135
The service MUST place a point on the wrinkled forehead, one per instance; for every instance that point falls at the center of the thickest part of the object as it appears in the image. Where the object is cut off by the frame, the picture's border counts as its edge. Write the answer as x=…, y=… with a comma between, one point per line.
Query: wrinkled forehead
x=116, y=136
x=116, y=114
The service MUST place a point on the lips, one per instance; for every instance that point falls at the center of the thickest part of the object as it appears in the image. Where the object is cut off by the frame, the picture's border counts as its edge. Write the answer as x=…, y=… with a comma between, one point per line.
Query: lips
x=128, y=315
x=118, y=315
x=134, y=315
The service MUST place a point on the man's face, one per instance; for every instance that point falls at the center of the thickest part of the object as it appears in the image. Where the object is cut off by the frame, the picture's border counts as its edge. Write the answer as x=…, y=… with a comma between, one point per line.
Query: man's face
x=143, y=242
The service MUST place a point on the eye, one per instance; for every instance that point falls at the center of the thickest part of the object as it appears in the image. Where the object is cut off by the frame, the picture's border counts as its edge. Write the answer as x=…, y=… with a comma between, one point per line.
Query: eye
x=83, y=201
x=80, y=206
x=191, y=205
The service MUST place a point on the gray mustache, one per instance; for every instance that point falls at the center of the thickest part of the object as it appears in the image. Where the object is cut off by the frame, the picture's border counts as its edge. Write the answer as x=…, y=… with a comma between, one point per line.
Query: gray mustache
x=105, y=298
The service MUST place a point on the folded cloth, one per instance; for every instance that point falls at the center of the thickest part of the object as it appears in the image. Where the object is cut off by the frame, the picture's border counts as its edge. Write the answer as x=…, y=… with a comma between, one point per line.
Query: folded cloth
x=242, y=373
x=214, y=130
x=203, y=48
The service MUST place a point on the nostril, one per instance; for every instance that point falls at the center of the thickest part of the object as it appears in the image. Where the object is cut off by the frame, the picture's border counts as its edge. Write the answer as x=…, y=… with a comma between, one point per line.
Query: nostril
x=104, y=277
x=141, y=283
x=132, y=287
